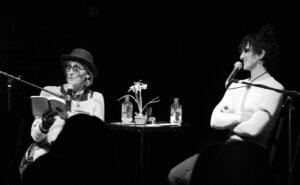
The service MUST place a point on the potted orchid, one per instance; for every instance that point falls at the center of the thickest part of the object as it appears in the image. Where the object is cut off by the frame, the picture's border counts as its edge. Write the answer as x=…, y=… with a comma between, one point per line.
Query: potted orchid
x=137, y=88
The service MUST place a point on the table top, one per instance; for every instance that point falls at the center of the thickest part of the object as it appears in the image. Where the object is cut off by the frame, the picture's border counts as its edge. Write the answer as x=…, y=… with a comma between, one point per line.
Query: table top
x=159, y=126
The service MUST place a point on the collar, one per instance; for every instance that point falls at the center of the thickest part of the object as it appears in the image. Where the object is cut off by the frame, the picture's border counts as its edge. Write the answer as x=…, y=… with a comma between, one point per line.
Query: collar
x=84, y=96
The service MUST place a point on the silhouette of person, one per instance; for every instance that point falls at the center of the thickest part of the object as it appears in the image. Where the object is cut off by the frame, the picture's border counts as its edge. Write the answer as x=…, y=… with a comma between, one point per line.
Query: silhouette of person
x=82, y=154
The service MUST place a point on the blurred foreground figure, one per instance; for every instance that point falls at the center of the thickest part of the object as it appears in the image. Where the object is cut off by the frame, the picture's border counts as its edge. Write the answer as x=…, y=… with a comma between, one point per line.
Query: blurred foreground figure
x=80, y=155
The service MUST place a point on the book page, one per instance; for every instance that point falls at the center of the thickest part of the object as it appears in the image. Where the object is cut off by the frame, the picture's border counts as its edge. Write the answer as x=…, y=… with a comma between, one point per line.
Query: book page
x=39, y=105
x=58, y=105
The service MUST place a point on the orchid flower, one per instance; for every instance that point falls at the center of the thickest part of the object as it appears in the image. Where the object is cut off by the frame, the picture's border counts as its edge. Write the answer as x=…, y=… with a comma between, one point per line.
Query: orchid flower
x=137, y=90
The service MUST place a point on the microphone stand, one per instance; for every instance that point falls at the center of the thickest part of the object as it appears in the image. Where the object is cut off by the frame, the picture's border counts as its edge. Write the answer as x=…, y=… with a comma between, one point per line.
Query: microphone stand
x=11, y=78
x=290, y=95
x=9, y=87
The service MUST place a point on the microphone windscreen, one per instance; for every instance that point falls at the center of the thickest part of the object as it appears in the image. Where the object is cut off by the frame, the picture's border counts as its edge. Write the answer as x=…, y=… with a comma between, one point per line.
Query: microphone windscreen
x=68, y=98
x=238, y=65
x=69, y=86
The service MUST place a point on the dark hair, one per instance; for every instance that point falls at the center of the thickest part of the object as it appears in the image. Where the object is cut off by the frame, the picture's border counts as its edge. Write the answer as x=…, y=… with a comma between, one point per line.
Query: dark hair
x=263, y=40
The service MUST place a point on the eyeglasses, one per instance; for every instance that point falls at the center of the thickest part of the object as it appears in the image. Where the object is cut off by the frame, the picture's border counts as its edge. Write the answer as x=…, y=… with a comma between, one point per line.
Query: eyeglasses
x=75, y=68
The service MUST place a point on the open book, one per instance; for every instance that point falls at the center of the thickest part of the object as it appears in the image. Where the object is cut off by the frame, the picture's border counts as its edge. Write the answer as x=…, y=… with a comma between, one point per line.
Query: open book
x=41, y=104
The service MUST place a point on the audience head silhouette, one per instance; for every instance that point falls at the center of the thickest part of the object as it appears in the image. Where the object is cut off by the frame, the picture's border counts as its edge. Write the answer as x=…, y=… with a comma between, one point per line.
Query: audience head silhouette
x=81, y=154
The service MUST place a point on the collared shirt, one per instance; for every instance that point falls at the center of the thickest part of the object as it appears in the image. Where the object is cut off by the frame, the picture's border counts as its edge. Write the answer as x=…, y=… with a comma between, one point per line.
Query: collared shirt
x=91, y=103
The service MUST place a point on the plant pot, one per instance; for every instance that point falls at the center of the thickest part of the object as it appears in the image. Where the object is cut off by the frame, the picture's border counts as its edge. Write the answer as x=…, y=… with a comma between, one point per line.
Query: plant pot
x=140, y=120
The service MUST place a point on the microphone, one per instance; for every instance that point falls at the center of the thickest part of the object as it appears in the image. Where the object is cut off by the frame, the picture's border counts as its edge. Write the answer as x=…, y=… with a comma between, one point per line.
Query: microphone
x=237, y=66
x=68, y=97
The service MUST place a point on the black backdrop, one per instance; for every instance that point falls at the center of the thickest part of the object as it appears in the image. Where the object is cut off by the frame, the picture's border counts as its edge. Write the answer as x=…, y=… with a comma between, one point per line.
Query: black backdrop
x=180, y=49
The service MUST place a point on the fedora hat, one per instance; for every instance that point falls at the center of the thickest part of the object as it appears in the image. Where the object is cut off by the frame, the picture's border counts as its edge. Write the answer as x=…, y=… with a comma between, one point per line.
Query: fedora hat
x=82, y=56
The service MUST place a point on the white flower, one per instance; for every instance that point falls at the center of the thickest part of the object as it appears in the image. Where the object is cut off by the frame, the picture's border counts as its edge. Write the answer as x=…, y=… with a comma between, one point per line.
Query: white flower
x=137, y=87
x=137, y=90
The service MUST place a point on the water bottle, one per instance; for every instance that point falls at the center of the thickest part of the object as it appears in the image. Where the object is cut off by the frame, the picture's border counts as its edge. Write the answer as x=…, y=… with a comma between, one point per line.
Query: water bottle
x=127, y=110
x=176, y=112
x=150, y=117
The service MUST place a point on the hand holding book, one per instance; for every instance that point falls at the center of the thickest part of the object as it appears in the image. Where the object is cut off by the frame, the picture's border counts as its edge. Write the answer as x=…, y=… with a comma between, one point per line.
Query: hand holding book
x=48, y=119
x=41, y=105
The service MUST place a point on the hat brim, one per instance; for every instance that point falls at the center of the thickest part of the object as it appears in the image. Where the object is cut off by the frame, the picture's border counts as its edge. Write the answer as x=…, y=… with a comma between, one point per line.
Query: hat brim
x=89, y=65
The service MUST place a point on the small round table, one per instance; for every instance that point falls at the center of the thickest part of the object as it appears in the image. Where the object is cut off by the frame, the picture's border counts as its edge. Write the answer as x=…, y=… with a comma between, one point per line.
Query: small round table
x=142, y=129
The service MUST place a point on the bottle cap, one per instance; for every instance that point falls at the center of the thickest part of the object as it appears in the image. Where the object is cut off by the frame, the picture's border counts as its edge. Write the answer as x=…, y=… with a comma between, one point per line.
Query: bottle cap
x=176, y=100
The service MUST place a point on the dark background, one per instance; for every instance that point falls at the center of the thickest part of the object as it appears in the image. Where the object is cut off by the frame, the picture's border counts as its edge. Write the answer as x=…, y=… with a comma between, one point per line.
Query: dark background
x=180, y=49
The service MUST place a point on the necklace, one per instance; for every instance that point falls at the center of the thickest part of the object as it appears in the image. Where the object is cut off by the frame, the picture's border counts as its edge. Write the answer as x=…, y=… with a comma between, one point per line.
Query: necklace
x=258, y=76
x=77, y=99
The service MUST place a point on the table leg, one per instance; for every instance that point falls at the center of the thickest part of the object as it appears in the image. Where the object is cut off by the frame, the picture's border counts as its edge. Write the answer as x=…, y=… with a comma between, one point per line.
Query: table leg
x=142, y=158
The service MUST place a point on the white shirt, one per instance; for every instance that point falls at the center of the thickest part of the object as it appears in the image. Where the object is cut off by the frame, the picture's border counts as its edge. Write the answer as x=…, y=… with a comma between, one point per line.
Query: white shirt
x=92, y=105
x=250, y=112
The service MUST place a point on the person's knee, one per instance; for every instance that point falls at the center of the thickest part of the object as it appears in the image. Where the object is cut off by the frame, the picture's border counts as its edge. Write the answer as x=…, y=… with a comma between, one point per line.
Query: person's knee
x=172, y=177
x=178, y=176
x=181, y=174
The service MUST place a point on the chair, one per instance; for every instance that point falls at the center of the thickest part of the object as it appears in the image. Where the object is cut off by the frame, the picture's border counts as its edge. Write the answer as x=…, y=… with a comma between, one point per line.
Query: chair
x=277, y=157
x=272, y=169
x=275, y=141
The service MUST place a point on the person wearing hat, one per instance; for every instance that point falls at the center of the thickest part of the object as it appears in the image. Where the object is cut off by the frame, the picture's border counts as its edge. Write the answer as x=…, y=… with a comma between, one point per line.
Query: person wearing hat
x=80, y=71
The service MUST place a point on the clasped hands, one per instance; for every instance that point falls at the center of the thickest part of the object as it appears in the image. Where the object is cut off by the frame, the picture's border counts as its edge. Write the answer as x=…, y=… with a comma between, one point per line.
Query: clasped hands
x=226, y=109
x=242, y=116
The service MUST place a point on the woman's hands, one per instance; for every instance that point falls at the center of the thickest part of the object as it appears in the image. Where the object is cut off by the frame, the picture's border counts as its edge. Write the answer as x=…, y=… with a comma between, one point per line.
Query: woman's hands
x=226, y=109
x=48, y=119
